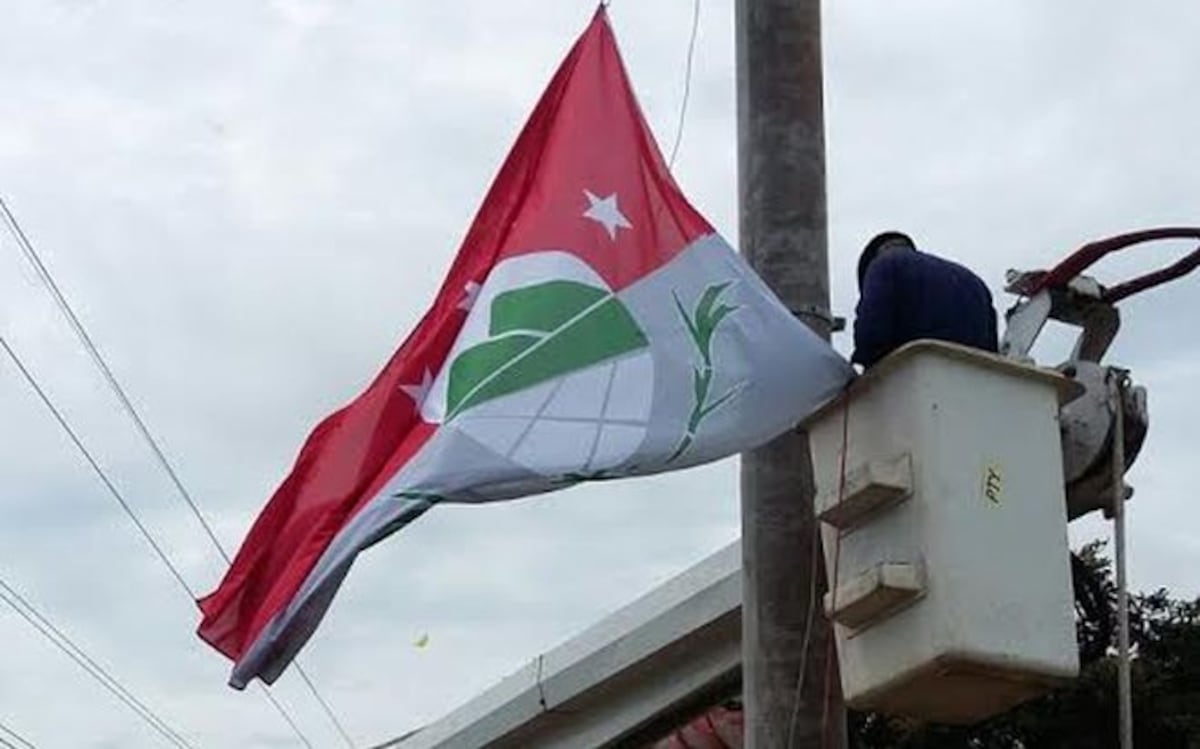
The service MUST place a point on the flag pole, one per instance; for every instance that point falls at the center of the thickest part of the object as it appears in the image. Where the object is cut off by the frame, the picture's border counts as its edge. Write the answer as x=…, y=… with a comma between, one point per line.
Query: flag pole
x=781, y=175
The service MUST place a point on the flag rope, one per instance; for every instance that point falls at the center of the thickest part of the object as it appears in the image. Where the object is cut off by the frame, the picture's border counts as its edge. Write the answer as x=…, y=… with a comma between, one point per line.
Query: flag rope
x=687, y=83
x=806, y=640
x=831, y=643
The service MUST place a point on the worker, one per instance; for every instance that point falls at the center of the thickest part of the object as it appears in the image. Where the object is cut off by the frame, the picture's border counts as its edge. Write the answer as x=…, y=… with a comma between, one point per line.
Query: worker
x=906, y=294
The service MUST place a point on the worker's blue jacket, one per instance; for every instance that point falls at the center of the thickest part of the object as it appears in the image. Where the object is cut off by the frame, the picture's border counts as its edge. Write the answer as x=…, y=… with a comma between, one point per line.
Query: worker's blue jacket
x=908, y=295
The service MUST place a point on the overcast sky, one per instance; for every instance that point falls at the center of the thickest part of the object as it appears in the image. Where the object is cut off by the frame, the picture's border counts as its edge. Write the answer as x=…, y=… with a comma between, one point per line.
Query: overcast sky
x=251, y=203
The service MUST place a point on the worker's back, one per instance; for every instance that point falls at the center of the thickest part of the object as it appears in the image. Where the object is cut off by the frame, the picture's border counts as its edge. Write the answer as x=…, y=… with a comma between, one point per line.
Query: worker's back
x=909, y=295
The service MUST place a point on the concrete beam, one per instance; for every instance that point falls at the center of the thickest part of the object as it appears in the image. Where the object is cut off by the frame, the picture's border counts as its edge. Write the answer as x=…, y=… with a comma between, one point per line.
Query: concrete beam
x=627, y=679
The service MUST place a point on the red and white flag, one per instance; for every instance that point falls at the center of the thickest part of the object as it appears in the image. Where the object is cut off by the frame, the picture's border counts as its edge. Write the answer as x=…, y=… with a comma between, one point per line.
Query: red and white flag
x=593, y=326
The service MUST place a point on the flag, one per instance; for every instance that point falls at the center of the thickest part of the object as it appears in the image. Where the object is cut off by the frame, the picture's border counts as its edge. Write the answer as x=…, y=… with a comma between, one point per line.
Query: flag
x=593, y=326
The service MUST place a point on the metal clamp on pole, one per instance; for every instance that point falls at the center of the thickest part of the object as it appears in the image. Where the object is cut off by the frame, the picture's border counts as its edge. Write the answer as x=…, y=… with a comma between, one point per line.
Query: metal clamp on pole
x=836, y=324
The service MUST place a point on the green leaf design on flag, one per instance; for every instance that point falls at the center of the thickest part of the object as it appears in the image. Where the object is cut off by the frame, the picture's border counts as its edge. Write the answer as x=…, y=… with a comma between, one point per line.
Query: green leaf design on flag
x=702, y=325
x=540, y=332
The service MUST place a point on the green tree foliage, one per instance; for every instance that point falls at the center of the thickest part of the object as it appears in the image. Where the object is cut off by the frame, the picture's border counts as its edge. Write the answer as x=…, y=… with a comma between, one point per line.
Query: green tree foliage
x=1165, y=638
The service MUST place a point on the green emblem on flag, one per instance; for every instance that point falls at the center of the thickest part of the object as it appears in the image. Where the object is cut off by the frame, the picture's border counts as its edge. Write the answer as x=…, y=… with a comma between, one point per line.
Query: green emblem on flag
x=538, y=333
x=702, y=324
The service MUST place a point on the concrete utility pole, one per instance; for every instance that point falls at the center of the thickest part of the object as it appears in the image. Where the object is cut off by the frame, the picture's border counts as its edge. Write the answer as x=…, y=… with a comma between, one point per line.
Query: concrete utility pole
x=781, y=170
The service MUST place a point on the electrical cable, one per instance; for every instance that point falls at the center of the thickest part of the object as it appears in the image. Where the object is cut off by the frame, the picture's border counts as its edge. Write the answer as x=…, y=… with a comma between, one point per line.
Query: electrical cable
x=806, y=640
x=25, y=743
x=809, y=622
x=285, y=715
x=56, y=637
x=32, y=256
x=329, y=713
x=116, y=494
x=89, y=346
x=831, y=643
x=95, y=466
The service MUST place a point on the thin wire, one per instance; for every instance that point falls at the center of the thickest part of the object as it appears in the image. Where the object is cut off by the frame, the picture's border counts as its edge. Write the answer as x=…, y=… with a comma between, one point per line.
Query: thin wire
x=284, y=714
x=806, y=641
x=108, y=484
x=831, y=643
x=687, y=83
x=60, y=640
x=89, y=345
x=112, y=489
x=325, y=706
x=24, y=741
x=31, y=254
x=55, y=636
x=6, y=745
x=813, y=591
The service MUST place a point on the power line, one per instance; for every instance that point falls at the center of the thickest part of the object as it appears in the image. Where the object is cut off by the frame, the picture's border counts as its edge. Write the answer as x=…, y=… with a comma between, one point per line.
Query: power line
x=31, y=254
x=25, y=743
x=687, y=83
x=325, y=706
x=116, y=494
x=95, y=466
x=89, y=345
x=48, y=630
x=284, y=714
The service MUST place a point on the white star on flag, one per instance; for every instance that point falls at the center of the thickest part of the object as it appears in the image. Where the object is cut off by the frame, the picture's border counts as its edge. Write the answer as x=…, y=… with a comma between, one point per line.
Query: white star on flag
x=420, y=391
x=470, y=294
x=605, y=212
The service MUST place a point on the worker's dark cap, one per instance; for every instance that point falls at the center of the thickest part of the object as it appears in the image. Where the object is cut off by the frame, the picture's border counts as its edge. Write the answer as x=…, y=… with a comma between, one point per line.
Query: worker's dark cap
x=874, y=246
